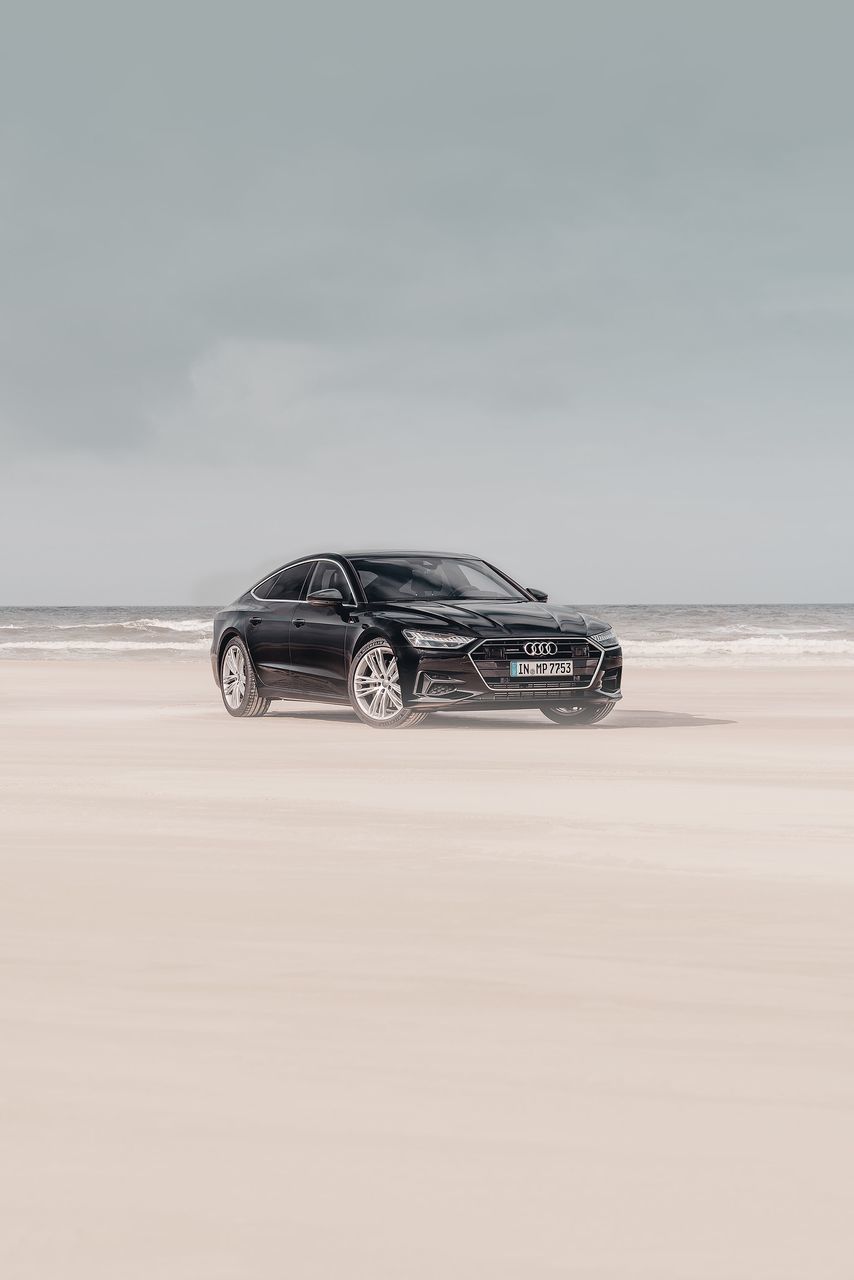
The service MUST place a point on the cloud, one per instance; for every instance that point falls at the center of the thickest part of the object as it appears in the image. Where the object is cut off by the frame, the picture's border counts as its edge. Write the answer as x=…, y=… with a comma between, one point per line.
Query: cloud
x=611, y=239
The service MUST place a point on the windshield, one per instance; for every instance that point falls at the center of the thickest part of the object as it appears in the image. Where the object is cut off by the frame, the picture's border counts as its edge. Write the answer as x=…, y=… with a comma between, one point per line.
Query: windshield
x=405, y=578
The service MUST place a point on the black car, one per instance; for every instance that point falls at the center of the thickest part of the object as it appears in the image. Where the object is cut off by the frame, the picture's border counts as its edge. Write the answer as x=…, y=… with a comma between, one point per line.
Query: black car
x=401, y=634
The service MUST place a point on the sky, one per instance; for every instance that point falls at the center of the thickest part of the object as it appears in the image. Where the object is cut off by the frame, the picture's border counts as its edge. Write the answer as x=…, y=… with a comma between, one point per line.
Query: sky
x=568, y=286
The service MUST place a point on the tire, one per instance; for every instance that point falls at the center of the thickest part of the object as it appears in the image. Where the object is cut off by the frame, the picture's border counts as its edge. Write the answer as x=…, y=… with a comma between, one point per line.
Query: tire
x=240, y=695
x=374, y=688
x=569, y=715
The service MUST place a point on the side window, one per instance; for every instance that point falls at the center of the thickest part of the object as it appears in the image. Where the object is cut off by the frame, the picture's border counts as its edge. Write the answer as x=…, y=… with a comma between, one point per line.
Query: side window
x=327, y=575
x=288, y=584
x=263, y=589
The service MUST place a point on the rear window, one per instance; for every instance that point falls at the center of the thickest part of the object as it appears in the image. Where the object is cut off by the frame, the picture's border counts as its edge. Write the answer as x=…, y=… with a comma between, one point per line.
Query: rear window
x=287, y=584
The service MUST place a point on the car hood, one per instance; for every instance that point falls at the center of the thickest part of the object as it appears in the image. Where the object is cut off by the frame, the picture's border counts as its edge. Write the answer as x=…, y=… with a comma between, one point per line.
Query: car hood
x=490, y=617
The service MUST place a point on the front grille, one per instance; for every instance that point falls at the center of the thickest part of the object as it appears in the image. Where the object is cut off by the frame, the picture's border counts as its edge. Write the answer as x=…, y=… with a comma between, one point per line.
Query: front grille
x=492, y=660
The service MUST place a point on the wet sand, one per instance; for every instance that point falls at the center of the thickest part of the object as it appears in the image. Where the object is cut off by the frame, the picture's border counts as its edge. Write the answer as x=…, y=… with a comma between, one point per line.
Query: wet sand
x=489, y=998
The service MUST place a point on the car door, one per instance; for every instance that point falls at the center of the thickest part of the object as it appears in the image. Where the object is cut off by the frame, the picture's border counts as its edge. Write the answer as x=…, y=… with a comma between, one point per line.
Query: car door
x=268, y=630
x=320, y=633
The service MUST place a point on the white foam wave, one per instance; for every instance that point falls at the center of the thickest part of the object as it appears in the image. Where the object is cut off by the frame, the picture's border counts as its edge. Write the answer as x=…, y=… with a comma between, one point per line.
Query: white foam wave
x=164, y=624
x=766, y=647
x=109, y=646
x=140, y=624
x=745, y=629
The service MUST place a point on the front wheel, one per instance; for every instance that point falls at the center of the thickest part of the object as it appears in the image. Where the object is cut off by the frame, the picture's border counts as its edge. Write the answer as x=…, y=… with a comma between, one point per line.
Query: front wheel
x=374, y=687
x=592, y=713
x=240, y=694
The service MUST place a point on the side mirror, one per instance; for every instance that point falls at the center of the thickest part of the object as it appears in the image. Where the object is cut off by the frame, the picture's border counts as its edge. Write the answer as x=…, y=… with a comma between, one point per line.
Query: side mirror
x=330, y=596
x=541, y=596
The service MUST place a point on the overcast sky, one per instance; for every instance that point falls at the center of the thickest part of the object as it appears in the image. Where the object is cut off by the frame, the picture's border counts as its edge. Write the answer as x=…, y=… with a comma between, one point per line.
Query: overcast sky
x=568, y=285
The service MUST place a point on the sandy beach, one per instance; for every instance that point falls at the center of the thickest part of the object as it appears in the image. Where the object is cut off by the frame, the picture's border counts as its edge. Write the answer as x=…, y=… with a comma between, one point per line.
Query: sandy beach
x=486, y=999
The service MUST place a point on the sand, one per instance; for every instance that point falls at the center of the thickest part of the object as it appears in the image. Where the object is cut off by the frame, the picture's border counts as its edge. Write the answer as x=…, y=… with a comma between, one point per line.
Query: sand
x=487, y=999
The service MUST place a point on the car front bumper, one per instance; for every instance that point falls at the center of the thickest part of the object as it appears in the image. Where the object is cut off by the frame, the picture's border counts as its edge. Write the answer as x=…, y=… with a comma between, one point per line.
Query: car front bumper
x=479, y=678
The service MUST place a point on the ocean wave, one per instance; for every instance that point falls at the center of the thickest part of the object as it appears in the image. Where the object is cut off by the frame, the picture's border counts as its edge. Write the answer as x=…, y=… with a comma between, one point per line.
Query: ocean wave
x=141, y=624
x=164, y=624
x=768, y=647
x=745, y=629
x=109, y=646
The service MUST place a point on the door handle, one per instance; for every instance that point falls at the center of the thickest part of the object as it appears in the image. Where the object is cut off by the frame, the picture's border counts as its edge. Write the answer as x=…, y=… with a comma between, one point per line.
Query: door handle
x=299, y=622
x=253, y=622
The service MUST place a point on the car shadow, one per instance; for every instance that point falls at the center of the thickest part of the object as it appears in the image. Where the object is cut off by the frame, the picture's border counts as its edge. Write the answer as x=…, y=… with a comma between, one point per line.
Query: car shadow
x=619, y=719
x=661, y=720
x=284, y=712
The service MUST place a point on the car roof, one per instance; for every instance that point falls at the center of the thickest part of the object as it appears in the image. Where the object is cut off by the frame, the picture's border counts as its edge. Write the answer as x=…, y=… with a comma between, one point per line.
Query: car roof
x=387, y=551
x=357, y=555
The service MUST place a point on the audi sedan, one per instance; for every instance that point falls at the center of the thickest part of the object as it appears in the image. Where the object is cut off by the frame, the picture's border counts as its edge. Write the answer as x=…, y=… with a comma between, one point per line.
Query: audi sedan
x=399, y=635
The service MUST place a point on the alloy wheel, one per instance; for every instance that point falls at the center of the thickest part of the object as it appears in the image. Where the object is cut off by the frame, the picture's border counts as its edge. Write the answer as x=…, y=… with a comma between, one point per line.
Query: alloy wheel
x=376, y=684
x=234, y=676
x=573, y=713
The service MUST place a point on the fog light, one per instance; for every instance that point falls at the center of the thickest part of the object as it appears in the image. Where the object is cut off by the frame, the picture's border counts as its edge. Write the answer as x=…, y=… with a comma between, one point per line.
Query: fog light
x=440, y=686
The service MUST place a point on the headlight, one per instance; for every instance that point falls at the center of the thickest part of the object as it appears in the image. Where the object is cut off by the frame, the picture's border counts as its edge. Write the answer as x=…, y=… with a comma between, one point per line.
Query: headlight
x=436, y=639
x=606, y=638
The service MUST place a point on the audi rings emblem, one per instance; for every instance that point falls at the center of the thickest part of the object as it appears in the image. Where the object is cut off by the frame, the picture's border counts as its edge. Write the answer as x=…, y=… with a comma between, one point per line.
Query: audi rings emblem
x=540, y=648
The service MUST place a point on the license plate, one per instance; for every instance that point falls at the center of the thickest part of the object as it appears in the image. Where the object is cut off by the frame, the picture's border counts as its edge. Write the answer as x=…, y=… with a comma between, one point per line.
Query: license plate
x=525, y=670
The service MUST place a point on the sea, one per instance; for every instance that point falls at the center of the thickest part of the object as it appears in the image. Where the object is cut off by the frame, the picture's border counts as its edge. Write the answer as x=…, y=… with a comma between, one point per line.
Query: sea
x=651, y=635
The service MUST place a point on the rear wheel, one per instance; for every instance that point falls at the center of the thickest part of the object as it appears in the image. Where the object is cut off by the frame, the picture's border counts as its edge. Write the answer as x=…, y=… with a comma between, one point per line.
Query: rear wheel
x=567, y=715
x=240, y=694
x=375, y=692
